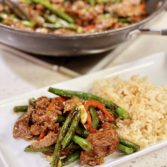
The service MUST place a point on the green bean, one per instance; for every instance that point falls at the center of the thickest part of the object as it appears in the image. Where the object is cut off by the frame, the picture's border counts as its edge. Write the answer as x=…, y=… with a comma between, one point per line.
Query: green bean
x=129, y=144
x=82, y=95
x=55, y=23
x=71, y=130
x=60, y=164
x=108, y=1
x=61, y=119
x=32, y=101
x=50, y=18
x=94, y=115
x=102, y=1
x=56, y=11
x=26, y=1
x=28, y=23
x=3, y=16
x=59, y=25
x=71, y=158
x=114, y=126
x=23, y=108
x=87, y=96
x=58, y=148
x=85, y=133
x=125, y=149
x=71, y=148
x=44, y=149
x=116, y=1
x=82, y=132
x=121, y=113
x=83, y=143
x=123, y=20
x=92, y=2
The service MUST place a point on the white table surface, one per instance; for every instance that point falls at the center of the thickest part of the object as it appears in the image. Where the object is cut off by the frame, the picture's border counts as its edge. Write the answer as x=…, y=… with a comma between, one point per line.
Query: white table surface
x=19, y=76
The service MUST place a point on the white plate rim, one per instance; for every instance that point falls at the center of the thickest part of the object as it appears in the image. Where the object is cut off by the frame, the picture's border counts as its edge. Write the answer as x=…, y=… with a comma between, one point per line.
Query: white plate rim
x=138, y=63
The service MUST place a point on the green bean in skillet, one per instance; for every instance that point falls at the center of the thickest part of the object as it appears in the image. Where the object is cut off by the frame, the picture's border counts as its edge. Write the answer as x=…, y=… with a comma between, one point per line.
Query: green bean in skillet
x=54, y=10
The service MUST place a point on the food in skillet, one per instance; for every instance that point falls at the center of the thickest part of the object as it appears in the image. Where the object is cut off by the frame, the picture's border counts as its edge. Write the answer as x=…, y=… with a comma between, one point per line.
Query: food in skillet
x=74, y=16
x=72, y=126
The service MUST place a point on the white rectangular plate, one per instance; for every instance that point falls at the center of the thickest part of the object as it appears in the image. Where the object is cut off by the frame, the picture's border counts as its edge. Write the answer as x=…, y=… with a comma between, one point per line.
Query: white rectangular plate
x=11, y=150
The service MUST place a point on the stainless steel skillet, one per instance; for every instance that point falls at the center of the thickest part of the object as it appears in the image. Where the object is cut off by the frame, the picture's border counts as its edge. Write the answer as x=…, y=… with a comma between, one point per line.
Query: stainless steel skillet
x=76, y=45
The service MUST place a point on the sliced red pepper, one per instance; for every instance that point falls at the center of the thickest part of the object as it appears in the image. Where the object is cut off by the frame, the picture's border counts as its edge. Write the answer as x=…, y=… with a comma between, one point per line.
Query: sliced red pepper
x=89, y=123
x=42, y=135
x=101, y=107
x=143, y=6
x=59, y=101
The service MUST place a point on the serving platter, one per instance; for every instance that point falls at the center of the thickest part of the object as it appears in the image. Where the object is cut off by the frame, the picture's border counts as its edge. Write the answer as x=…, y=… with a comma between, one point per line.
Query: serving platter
x=12, y=151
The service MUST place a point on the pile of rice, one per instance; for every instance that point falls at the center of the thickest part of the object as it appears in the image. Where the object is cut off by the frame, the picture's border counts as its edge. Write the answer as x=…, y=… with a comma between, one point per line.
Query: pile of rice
x=146, y=103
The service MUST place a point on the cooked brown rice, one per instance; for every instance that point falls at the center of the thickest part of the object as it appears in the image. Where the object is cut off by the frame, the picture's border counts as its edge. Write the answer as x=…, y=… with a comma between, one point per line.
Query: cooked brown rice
x=146, y=103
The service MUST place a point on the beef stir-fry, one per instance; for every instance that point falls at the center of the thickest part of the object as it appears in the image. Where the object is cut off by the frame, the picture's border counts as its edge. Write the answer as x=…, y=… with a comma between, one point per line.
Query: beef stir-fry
x=74, y=16
x=74, y=125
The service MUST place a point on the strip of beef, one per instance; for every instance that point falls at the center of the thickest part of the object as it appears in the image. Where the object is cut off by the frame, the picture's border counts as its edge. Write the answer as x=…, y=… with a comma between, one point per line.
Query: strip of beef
x=83, y=12
x=127, y=8
x=44, y=116
x=38, y=119
x=104, y=142
x=42, y=102
x=21, y=128
x=104, y=23
x=48, y=140
x=37, y=129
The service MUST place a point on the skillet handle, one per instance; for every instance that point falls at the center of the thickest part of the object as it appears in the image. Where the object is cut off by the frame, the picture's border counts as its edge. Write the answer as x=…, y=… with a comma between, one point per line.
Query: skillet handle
x=153, y=31
x=146, y=31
